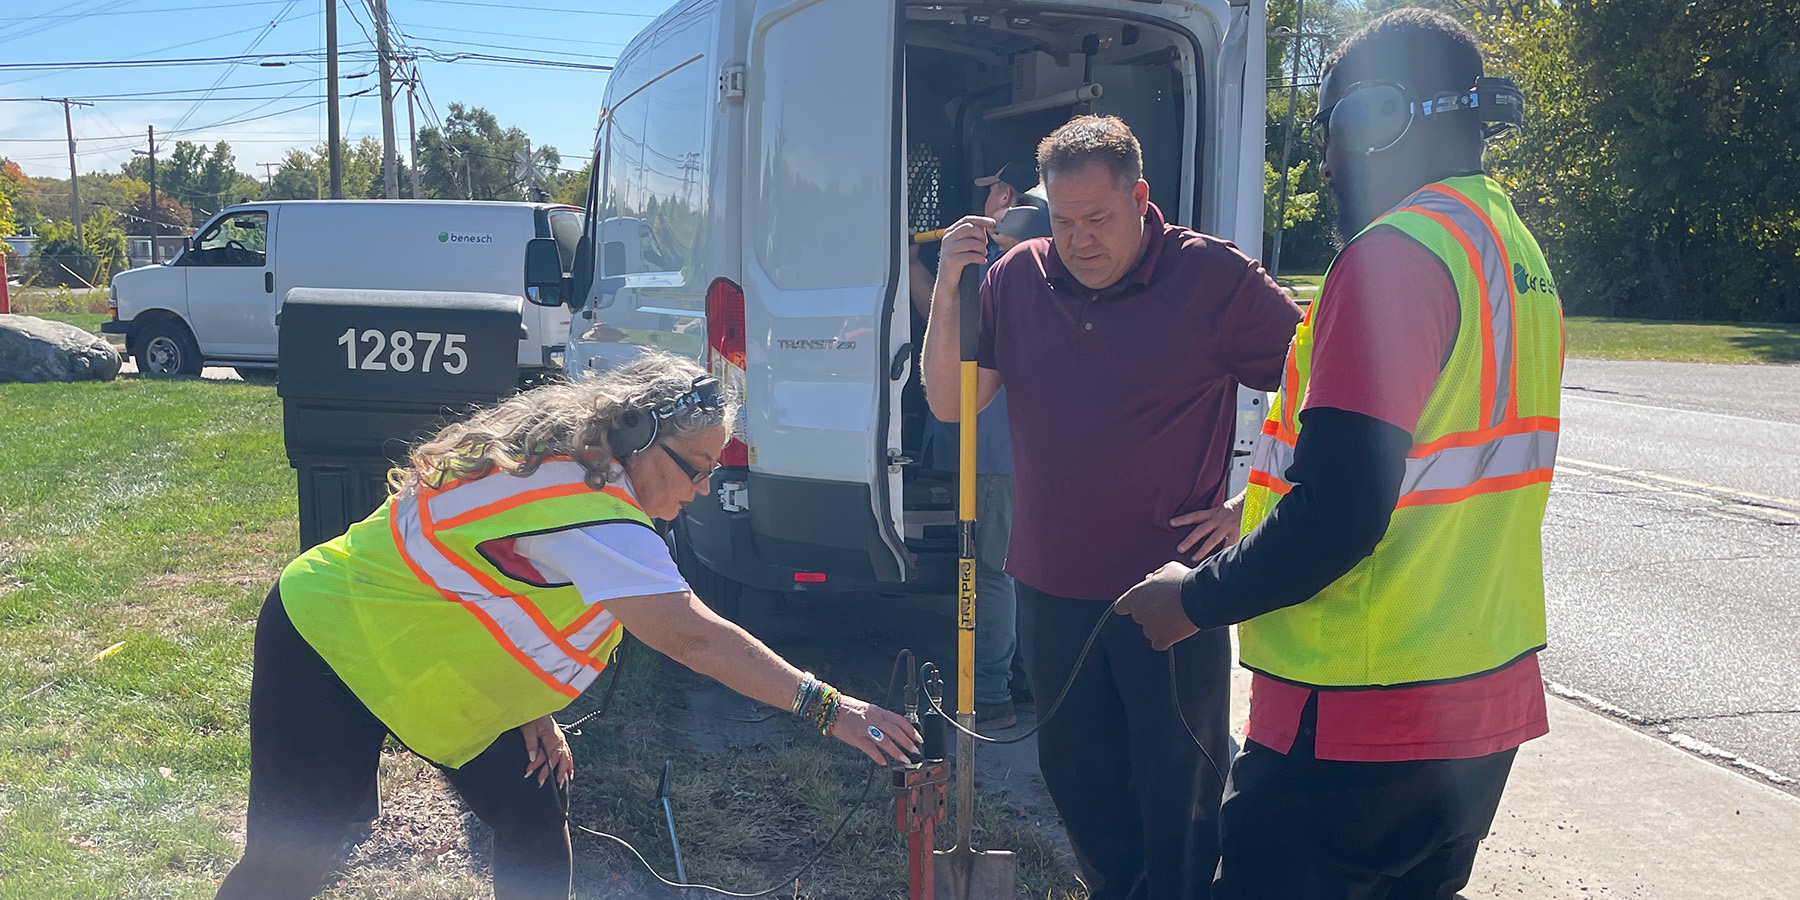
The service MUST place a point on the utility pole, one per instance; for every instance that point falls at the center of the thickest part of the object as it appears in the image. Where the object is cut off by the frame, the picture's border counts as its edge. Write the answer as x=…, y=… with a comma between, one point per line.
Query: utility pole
x=390, y=175
x=412, y=128
x=154, y=217
x=269, y=173
x=1287, y=137
x=331, y=99
x=74, y=189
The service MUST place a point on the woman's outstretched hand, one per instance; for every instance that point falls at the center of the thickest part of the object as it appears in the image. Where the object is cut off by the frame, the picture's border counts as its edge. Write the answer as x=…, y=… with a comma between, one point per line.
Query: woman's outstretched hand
x=859, y=723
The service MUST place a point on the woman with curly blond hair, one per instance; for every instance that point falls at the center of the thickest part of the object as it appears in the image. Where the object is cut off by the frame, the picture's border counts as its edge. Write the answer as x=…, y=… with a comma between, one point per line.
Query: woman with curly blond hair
x=487, y=593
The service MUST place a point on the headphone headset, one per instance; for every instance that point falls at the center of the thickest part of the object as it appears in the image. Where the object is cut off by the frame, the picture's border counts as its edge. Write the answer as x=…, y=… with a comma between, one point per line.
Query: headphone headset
x=1374, y=116
x=638, y=429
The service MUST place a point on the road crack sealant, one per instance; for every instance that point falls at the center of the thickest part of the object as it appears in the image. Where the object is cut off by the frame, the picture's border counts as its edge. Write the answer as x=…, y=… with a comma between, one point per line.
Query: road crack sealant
x=1685, y=742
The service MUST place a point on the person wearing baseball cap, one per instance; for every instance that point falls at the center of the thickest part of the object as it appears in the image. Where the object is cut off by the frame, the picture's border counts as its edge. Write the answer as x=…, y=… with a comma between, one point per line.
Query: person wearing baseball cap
x=1013, y=199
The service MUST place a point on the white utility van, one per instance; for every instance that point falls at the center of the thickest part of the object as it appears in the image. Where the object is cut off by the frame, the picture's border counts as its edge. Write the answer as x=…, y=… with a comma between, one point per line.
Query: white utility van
x=215, y=302
x=758, y=166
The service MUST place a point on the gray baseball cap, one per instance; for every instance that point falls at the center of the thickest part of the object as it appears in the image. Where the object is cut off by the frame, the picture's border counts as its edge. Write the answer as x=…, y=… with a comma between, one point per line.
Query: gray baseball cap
x=1020, y=174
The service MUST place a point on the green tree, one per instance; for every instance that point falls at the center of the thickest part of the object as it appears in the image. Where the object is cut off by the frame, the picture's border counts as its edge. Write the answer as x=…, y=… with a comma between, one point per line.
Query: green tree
x=12, y=181
x=472, y=157
x=59, y=258
x=1700, y=100
x=306, y=175
x=206, y=180
x=571, y=187
x=1657, y=165
x=1306, y=244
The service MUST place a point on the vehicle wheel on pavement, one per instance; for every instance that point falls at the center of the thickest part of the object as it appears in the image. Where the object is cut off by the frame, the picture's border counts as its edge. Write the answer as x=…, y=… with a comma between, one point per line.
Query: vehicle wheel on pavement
x=722, y=595
x=166, y=347
x=256, y=375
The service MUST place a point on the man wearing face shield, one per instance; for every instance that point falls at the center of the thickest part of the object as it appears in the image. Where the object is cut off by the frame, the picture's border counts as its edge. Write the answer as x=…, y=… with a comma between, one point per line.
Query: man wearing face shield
x=1389, y=583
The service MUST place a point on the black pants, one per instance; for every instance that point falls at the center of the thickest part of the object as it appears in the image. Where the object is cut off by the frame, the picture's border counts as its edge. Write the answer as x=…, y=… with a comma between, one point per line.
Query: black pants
x=1295, y=826
x=1138, y=797
x=314, y=749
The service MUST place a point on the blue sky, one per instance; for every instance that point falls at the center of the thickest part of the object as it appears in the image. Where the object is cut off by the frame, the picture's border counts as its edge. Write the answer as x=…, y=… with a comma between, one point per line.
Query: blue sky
x=283, y=106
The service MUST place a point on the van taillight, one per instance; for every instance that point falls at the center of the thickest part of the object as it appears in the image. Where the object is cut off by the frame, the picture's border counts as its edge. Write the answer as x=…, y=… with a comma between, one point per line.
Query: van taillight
x=725, y=356
x=725, y=321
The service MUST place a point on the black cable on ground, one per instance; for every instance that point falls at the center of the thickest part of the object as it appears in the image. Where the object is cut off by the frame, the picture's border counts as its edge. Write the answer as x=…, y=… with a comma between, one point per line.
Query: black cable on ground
x=862, y=802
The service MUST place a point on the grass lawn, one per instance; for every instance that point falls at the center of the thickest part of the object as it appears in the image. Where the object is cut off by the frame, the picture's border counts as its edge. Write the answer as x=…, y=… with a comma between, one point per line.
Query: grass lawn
x=1593, y=337
x=149, y=516
x=141, y=522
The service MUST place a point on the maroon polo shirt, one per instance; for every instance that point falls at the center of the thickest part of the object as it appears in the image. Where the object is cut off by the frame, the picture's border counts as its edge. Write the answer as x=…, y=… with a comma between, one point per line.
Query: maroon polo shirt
x=1122, y=401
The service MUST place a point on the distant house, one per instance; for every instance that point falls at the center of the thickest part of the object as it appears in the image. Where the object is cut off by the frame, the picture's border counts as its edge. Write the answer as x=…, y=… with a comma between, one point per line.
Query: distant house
x=138, y=251
x=21, y=244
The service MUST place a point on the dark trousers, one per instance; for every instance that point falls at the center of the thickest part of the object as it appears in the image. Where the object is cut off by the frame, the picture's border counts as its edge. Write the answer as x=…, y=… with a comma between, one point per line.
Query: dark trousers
x=1139, y=799
x=1296, y=826
x=314, y=749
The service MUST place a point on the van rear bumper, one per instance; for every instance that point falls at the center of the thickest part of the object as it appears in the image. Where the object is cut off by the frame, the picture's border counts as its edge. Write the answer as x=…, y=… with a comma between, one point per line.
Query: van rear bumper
x=801, y=525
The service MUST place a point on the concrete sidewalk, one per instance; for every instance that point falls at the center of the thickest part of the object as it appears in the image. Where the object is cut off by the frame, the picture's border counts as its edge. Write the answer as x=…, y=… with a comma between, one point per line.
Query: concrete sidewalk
x=1599, y=810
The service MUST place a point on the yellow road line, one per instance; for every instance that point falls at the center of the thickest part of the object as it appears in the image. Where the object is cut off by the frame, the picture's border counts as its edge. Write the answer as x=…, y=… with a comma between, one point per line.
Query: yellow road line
x=1639, y=476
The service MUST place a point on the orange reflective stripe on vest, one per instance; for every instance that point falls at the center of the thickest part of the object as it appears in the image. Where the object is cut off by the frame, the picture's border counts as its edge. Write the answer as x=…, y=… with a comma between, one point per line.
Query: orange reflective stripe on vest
x=557, y=656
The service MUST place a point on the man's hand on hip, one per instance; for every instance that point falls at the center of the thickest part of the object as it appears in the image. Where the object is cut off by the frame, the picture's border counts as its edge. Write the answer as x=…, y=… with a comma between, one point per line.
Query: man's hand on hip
x=1155, y=604
x=1214, y=529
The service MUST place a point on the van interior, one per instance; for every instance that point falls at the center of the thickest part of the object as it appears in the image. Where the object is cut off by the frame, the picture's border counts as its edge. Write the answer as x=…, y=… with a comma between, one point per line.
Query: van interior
x=986, y=83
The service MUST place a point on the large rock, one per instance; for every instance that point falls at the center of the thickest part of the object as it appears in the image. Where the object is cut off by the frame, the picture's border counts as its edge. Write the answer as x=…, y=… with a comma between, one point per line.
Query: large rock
x=36, y=350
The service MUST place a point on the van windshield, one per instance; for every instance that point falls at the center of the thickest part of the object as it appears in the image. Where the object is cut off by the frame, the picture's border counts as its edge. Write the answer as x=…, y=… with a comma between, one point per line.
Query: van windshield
x=236, y=239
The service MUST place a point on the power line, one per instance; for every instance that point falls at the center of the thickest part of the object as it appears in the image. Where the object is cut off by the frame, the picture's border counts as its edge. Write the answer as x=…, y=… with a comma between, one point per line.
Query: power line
x=227, y=73
x=27, y=30
x=579, y=12
x=517, y=35
x=461, y=56
x=489, y=44
x=258, y=58
x=209, y=7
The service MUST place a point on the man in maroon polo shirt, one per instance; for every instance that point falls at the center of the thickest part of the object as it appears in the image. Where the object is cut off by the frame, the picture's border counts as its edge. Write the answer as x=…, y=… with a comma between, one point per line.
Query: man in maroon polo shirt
x=1121, y=341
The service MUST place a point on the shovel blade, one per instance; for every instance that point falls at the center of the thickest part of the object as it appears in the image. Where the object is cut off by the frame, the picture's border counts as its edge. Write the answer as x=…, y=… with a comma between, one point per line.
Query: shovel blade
x=965, y=874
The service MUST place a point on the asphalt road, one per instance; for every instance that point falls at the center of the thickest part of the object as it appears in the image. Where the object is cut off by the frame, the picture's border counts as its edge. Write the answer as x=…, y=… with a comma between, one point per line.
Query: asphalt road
x=1672, y=555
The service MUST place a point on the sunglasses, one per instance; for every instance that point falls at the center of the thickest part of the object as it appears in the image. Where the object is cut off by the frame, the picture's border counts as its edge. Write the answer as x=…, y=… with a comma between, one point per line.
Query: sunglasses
x=1318, y=128
x=695, y=476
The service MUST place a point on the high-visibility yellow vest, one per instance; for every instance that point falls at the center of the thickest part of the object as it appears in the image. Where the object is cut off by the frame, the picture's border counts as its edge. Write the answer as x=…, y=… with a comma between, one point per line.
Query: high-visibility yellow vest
x=1456, y=587
x=448, y=650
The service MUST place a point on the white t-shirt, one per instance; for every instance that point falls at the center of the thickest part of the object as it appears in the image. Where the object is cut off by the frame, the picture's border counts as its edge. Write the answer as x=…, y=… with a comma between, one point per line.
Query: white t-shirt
x=616, y=559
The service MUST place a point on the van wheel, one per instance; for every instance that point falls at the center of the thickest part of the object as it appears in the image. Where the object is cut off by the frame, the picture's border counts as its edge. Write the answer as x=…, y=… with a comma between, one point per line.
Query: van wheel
x=166, y=347
x=722, y=595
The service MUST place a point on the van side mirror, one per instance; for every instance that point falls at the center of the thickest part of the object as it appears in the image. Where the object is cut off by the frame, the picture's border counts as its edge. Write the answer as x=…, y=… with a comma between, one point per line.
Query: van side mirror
x=609, y=288
x=544, y=278
x=583, y=277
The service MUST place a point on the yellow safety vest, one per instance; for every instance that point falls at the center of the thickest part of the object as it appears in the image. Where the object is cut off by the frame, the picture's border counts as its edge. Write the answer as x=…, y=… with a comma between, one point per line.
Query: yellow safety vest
x=448, y=650
x=1455, y=588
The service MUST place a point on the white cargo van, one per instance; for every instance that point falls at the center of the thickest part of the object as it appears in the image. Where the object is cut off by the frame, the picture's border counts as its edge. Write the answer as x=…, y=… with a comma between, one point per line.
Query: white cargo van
x=215, y=302
x=758, y=165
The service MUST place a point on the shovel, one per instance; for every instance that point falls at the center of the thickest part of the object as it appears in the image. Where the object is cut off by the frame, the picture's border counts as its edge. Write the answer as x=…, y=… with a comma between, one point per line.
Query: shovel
x=967, y=873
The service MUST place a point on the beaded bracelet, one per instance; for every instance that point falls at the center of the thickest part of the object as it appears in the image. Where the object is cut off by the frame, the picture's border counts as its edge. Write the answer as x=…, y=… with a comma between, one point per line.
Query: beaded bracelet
x=825, y=711
x=807, y=684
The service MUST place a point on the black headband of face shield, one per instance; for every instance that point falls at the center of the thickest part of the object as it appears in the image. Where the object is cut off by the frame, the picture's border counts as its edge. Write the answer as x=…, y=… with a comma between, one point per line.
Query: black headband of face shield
x=1497, y=100
x=1373, y=116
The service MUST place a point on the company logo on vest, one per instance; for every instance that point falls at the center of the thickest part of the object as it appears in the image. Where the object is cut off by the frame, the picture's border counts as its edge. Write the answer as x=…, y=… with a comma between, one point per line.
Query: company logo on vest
x=1525, y=282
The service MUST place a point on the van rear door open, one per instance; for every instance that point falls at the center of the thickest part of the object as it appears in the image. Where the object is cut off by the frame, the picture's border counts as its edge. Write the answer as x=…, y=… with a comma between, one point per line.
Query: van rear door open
x=822, y=267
